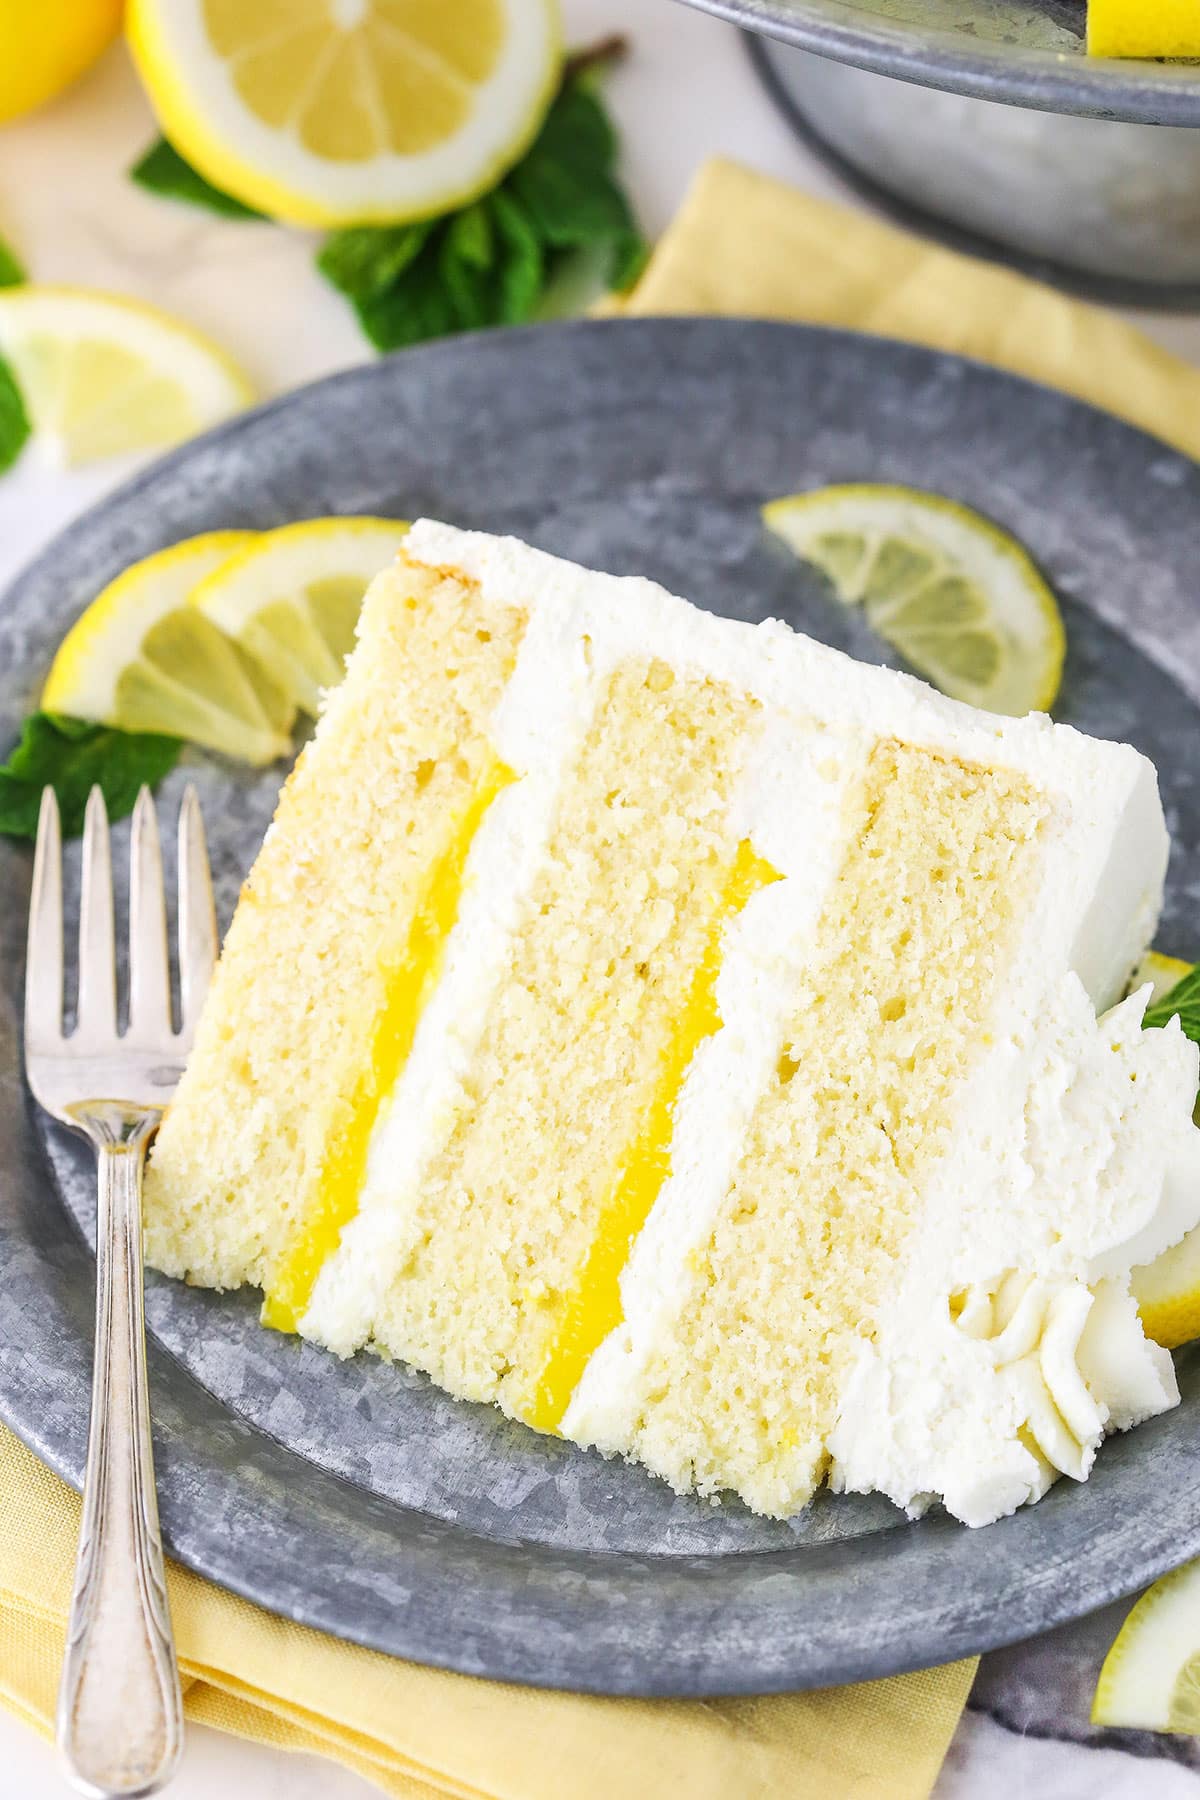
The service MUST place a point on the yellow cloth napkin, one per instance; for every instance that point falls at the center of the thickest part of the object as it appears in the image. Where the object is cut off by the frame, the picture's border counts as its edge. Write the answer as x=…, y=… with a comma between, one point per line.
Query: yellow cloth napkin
x=741, y=244
x=745, y=244
x=420, y=1733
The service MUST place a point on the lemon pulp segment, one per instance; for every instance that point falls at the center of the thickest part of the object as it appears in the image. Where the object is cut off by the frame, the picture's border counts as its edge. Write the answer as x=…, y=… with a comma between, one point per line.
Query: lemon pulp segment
x=291, y=599
x=409, y=986
x=594, y=1306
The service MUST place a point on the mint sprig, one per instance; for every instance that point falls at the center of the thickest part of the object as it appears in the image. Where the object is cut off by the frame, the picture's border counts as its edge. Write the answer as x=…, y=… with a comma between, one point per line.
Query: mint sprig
x=558, y=221
x=164, y=172
x=71, y=756
x=1182, y=1002
x=11, y=272
x=493, y=262
x=14, y=420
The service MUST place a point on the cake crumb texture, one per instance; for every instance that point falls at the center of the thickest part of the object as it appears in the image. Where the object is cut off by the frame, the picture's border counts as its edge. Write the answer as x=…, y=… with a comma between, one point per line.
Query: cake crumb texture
x=905, y=965
x=570, y=1057
x=288, y=1023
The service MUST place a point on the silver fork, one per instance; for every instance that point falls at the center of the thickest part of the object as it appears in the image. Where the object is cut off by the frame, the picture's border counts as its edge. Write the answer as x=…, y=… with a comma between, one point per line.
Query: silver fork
x=120, y=1714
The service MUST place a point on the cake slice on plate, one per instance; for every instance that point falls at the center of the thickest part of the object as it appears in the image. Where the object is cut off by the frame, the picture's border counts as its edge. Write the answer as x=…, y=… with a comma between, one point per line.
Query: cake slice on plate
x=687, y=1039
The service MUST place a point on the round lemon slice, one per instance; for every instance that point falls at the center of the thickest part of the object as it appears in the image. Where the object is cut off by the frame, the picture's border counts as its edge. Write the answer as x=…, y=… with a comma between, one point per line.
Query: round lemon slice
x=333, y=112
x=101, y=375
x=291, y=598
x=1151, y=1677
x=959, y=598
x=142, y=659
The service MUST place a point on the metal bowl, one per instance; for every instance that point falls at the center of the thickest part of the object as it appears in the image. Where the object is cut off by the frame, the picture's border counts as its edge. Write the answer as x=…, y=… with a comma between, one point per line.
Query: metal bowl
x=1083, y=170
x=1023, y=52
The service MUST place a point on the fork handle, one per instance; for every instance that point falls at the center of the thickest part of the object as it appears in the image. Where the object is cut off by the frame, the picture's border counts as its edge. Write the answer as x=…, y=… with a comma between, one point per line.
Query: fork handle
x=120, y=1711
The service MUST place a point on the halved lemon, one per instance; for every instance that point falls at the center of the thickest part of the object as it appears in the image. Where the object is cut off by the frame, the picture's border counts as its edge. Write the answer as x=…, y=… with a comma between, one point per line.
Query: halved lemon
x=101, y=375
x=48, y=46
x=143, y=659
x=334, y=112
x=1151, y=1677
x=291, y=598
x=960, y=599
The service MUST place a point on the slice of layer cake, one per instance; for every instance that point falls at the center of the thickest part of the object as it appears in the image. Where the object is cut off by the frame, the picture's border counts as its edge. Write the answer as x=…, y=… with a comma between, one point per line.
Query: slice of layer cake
x=687, y=1038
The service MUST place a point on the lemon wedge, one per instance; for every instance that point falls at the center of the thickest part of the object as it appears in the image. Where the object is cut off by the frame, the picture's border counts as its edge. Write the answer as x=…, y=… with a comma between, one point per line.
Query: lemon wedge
x=102, y=375
x=1151, y=1677
x=333, y=112
x=291, y=598
x=143, y=659
x=959, y=598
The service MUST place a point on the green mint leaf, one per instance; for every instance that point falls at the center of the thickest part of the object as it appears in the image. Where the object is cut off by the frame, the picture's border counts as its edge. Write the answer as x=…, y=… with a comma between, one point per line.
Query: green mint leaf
x=366, y=262
x=163, y=171
x=521, y=266
x=564, y=182
x=14, y=420
x=630, y=254
x=1182, y=1002
x=71, y=755
x=498, y=260
x=11, y=272
x=414, y=310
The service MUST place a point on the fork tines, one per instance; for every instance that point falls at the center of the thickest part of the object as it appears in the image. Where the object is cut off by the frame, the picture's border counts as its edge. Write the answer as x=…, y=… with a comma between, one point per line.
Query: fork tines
x=149, y=963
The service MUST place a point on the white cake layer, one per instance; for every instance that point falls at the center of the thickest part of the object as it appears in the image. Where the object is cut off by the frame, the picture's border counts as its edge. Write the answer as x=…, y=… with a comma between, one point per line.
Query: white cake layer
x=1038, y=1180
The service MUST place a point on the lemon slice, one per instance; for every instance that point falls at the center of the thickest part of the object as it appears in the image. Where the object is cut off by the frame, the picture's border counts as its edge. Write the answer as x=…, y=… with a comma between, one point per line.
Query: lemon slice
x=1162, y=972
x=333, y=112
x=959, y=598
x=142, y=659
x=1151, y=1677
x=291, y=598
x=1168, y=1289
x=101, y=375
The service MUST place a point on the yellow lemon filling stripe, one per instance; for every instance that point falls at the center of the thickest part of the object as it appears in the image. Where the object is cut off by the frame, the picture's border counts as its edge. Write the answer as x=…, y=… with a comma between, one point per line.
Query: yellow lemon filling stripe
x=594, y=1306
x=409, y=986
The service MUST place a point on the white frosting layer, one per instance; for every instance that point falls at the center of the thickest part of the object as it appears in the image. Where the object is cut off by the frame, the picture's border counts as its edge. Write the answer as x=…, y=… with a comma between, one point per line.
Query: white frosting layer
x=790, y=805
x=1063, y=1171
x=1074, y=1159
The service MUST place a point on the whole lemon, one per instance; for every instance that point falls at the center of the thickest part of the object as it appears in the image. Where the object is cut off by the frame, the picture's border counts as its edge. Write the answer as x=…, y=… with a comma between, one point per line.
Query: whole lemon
x=46, y=44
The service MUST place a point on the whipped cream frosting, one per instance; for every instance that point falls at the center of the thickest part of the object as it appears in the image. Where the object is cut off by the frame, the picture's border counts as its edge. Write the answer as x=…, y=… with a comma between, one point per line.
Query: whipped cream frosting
x=1010, y=1343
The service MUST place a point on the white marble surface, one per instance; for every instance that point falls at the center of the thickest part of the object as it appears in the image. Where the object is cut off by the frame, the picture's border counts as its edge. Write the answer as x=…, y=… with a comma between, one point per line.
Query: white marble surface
x=66, y=204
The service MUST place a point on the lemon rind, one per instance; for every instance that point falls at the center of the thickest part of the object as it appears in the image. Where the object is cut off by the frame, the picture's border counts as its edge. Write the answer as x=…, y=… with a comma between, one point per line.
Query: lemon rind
x=183, y=115
x=83, y=676
x=1160, y=1635
x=229, y=599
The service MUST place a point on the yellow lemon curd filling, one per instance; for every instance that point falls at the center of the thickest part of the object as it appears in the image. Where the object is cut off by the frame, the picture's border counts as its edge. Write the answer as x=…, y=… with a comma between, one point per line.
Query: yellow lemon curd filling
x=593, y=1307
x=409, y=986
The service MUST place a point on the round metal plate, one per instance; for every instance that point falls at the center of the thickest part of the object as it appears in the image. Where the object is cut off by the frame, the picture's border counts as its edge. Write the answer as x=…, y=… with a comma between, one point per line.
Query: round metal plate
x=353, y=1495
